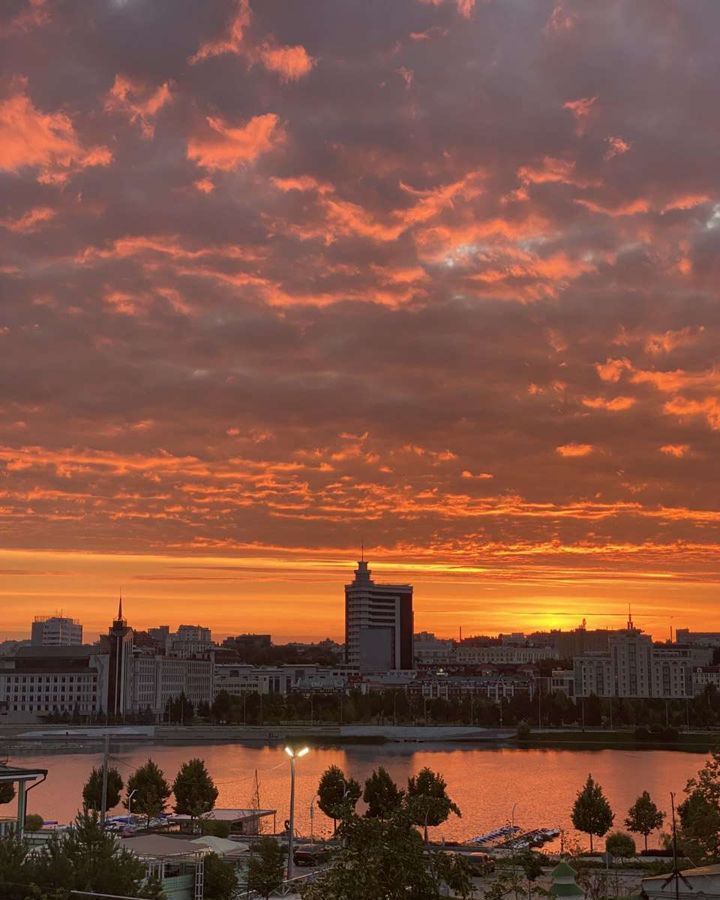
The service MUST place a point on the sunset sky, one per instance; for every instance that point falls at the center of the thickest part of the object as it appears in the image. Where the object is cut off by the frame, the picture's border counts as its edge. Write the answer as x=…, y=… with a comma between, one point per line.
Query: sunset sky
x=282, y=276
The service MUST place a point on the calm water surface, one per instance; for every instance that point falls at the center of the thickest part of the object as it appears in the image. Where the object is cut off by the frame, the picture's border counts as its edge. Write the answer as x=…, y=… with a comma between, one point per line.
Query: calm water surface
x=486, y=783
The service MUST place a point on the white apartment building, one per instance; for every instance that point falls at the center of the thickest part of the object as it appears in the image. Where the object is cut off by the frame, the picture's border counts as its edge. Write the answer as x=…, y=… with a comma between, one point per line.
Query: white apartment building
x=157, y=679
x=470, y=655
x=55, y=631
x=247, y=679
x=41, y=681
x=634, y=668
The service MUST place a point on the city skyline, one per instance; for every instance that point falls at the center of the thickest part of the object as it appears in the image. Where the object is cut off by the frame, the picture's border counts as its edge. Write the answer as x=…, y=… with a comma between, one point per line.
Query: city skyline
x=260, y=623
x=442, y=280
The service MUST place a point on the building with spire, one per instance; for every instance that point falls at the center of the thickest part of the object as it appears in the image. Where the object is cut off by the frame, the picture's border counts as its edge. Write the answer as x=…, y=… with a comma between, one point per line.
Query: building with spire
x=378, y=623
x=120, y=672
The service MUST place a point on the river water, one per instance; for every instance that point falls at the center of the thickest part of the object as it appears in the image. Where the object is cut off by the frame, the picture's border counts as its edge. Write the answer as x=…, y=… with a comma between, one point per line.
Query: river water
x=490, y=785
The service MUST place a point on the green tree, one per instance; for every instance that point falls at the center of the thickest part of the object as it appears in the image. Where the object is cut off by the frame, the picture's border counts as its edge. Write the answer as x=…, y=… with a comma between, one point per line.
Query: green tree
x=428, y=800
x=7, y=791
x=14, y=870
x=151, y=790
x=87, y=858
x=92, y=792
x=620, y=845
x=194, y=789
x=220, y=879
x=591, y=812
x=699, y=831
x=337, y=795
x=700, y=812
x=531, y=865
x=386, y=858
x=382, y=795
x=644, y=817
x=266, y=869
x=221, y=708
x=33, y=822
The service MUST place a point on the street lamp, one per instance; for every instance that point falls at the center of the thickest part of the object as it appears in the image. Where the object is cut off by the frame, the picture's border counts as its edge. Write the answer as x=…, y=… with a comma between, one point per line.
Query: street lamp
x=130, y=796
x=294, y=755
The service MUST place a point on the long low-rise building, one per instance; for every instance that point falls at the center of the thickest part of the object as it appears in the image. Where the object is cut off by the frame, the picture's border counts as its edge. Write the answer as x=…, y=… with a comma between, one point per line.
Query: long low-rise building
x=41, y=682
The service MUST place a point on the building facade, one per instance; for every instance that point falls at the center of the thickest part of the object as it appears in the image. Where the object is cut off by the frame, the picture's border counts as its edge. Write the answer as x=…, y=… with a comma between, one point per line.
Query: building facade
x=635, y=668
x=39, y=682
x=378, y=624
x=55, y=631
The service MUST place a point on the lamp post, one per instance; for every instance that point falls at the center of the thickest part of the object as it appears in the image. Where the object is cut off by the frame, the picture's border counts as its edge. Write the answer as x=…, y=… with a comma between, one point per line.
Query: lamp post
x=294, y=755
x=130, y=796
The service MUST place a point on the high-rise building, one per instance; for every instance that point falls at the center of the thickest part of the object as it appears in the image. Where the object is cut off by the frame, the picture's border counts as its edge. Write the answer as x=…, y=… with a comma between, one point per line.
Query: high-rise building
x=55, y=631
x=378, y=624
x=120, y=672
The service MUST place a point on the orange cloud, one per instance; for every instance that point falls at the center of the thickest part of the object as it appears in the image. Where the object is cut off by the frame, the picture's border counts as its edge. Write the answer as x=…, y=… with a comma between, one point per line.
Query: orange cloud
x=231, y=41
x=676, y=450
x=615, y=404
x=46, y=141
x=582, y=108
x=204, y=185
x=137, y=102
x=708, y=408
x=616, y=147
x=30, y=221
x=573, y=450
x=551, y=170
x=686, y=201
x=291, y=63
x=34, y=15
x=629, y=208
x=613, y=369
x=224, y=147
x=669, y=340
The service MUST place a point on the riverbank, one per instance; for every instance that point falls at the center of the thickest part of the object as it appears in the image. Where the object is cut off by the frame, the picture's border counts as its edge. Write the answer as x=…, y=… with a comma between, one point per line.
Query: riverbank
x=19, y=738
x=64, y=736
x=605, y=739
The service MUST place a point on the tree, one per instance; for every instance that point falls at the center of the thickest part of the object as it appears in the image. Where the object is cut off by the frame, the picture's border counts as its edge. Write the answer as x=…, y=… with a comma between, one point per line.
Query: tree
x=699, y=831
x=87, y=858
x=700, y=812
x=620, y=845
x=151, y=790
x=14, y=874
x=7, y=791
x=644, y=817
x=337, y=795
x=220, y=880
x=386, y=857
x=92, y=792
x=428, y=801
x=194, y=789
x=266, y=870
x=591, y=812
x=382, y=795
x=33, y=822
x=531, y=865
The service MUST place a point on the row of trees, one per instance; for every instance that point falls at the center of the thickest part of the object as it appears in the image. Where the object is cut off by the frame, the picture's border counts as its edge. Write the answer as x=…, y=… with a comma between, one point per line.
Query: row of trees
x=148, y=790
x=398, y=706
x=425, y=801
x=698, y=828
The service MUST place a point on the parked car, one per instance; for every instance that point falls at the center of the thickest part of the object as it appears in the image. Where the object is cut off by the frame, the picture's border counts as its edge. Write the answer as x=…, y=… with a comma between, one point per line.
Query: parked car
x=310, y=855
x=479, y=863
